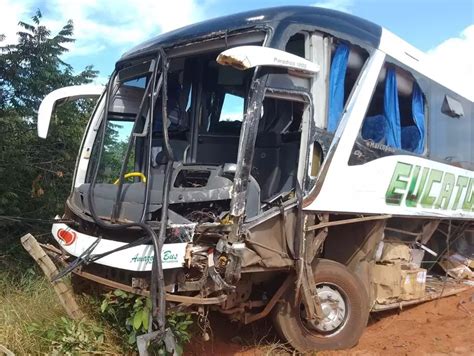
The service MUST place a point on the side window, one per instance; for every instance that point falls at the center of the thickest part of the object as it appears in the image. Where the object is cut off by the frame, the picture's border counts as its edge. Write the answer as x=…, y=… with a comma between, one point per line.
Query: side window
x=230, y=117
x=296, y=45
x=347, y=61
x=396, y=115
x=223, y=101
x=451, y=128
x=117, y=134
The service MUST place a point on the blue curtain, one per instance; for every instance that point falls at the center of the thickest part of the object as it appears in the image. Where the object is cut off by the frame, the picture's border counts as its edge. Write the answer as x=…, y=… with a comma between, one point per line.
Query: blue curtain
x=418, y=111
x=336, y=85
x=392, y=111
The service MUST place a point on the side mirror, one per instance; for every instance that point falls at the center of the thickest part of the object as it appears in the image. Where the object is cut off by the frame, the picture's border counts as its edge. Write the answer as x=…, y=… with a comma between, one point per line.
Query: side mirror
x=245, y=57
x=60, y=96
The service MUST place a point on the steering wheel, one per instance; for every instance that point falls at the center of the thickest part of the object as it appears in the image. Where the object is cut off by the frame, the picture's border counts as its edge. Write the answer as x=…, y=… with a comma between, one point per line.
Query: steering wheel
x=131, y=175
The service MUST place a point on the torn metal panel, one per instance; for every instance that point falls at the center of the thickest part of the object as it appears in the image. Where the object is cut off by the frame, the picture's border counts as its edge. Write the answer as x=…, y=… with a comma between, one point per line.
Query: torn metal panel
x=268, y=240
x=246, y=149
x=246, y=57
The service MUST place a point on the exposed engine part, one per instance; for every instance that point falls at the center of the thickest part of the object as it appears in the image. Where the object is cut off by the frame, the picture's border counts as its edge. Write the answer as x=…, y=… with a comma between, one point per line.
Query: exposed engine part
x=203, y=322
x=239, y=295
x=233, y=253
x=202, y=216
x=191, y=178
x=216, y=277
x=180, y=233
x=202, y=212
x=195, y=276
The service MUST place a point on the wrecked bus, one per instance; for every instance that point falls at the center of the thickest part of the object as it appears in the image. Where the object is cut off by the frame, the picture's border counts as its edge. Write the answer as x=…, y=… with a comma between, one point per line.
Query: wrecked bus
x=293, y=161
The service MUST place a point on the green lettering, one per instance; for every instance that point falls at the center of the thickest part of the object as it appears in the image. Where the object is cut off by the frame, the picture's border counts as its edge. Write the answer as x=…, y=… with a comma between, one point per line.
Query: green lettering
x=427, y=201
x=169, y=256
x=461, y=184
x=469, y=199
x=412, y=196
x=446, y=191
x=398, y=184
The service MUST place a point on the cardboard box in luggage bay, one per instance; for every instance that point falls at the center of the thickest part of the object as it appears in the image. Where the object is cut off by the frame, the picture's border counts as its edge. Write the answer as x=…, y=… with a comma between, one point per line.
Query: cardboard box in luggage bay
x=399, y=252
x=394, y=282
x=457, y=266
x=386, y=282
x=393, y=251
x=413, y=283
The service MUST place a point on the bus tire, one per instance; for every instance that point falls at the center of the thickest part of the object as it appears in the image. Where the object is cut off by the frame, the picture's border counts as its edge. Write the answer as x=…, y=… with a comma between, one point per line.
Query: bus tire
x=345, y=302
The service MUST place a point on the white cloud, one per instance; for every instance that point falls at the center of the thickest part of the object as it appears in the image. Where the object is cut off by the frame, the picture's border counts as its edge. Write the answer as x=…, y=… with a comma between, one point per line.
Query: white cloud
x=99, y=24
x=453, y=60
x=340, y=5
x=10, y=14
x=123, y=23
x=232, y=116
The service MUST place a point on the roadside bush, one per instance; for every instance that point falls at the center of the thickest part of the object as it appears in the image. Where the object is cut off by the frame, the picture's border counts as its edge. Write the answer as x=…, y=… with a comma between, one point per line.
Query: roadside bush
x=130, y=314
x=68, y=337
x=33, y=322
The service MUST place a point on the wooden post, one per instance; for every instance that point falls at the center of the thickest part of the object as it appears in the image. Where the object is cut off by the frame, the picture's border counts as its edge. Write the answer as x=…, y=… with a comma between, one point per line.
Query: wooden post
x=5, y=351
x=64, y=292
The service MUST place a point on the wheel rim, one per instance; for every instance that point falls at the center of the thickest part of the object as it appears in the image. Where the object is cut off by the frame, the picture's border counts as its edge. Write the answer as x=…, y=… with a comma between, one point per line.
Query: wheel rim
x=335, y=310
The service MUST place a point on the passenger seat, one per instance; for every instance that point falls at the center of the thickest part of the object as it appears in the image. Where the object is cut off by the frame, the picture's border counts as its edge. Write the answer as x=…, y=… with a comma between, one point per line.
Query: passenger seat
x=373, y=128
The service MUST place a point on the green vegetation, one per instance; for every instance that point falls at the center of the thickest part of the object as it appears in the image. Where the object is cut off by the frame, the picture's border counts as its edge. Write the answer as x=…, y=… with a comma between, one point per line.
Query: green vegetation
x=33, y=322
x=36, y=176
x=36, y=173
x=130, y=314
x=35, y=180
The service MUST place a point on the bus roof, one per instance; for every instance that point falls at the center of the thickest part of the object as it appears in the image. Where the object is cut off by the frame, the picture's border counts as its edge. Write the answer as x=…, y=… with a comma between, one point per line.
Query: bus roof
x=333, y=21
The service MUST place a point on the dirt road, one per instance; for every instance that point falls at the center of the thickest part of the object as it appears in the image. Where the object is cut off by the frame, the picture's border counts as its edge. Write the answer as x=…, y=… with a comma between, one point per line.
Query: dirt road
x=442, y=327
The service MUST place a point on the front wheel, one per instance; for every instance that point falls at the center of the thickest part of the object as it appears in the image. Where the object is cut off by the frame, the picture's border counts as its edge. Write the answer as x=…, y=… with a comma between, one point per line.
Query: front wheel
x=344, y=302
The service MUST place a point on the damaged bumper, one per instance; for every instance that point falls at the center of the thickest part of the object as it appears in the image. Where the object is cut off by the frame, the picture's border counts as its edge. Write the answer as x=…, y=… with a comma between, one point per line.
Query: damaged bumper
x=137, y=258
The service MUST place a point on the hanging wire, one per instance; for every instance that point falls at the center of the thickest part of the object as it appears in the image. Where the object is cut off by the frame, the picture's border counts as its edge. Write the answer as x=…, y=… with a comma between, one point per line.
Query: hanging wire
x=43, y=221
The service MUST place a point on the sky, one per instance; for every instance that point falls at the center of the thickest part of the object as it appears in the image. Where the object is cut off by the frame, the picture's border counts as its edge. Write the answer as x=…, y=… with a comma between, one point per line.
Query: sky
x=105, y=29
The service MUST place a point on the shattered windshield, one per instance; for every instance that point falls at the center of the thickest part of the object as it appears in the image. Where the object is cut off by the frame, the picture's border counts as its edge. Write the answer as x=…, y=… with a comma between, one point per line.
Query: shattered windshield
x=205, y=110
x=205, y=107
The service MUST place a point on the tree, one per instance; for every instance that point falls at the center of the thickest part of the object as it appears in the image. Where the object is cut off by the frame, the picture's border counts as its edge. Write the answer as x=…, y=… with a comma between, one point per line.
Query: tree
x=33, y=67
x=35, y=173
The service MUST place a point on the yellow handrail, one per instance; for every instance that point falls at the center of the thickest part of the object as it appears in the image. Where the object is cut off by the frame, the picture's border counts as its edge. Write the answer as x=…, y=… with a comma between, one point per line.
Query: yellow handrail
x=131, y=175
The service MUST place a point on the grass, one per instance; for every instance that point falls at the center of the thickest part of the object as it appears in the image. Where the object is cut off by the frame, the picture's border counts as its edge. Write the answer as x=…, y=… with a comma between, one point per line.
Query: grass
x=26, y=299
x=33, y=322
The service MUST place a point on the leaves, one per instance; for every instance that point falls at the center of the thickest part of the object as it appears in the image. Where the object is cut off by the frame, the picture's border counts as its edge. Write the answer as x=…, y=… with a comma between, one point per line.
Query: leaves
x=133, y=318
x=36, y=173
x=138, y=319
x=120, y=293
x=67, y=336
x=104, y=305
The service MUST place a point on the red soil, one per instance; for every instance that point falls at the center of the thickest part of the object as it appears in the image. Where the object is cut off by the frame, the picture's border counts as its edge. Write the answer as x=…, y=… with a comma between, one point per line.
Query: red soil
x=440, y=327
